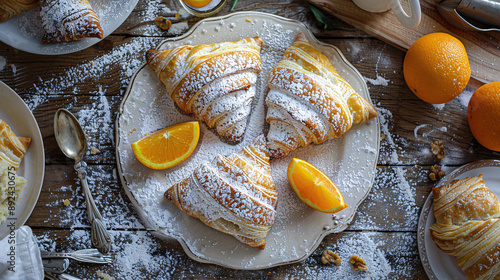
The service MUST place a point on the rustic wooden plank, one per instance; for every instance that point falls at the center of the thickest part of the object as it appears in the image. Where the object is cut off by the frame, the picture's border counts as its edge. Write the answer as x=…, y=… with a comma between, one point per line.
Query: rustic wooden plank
x=482, y=47
x=61, y=182
x=402, y=114
x=393, y=204
x=96, y=113
x=140, y=22
x=140, y=255
x=112, y=61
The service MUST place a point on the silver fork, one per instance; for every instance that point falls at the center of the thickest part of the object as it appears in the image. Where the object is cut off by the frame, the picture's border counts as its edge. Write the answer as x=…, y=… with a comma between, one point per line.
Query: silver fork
x=85, y=255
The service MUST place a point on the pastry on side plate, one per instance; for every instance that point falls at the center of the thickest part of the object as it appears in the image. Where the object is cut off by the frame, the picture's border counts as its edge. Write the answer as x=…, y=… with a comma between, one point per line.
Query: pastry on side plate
x=214, y=82
x=235, y=195
x=12, y=151
x=468, y=226
x=69, y=20
x=10, y=8
x=308, y=101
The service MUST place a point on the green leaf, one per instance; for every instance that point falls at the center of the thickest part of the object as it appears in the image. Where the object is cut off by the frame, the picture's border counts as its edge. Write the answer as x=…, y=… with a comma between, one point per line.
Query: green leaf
x=323, y=19
x=234, y=4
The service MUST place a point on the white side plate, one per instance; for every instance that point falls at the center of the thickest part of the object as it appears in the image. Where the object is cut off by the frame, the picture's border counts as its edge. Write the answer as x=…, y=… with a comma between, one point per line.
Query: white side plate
x=32, y=168
x=349, y=160
x=437, y=264
x=25, y=31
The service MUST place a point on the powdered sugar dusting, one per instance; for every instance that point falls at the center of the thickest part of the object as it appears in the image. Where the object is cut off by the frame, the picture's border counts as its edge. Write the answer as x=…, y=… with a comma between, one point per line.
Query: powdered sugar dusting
x=125, y=56
x=465, y=96
x=3, y=62
x=148, y=109
x=379, y=81
x=65, y=20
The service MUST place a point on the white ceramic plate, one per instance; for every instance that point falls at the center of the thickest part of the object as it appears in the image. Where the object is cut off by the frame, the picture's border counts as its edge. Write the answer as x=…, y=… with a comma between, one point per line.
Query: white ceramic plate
x=32, y=168
x=349, y=160
x=25, y=31
x=437, y=264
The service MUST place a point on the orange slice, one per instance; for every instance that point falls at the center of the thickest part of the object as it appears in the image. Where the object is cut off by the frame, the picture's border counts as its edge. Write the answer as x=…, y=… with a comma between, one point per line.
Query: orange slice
x=197, y=3
x=314, y=188
x=167, y=147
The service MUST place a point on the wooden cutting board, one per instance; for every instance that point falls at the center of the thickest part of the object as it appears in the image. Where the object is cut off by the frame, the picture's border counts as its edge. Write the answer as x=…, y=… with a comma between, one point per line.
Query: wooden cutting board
x=483, y=48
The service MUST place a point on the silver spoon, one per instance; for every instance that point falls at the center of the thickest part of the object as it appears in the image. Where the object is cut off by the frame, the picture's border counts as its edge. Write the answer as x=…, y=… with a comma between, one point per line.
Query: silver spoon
x=73, y=143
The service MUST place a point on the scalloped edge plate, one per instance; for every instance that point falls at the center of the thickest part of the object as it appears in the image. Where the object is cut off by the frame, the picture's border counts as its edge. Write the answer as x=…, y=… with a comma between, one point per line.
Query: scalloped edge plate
x=310, y=231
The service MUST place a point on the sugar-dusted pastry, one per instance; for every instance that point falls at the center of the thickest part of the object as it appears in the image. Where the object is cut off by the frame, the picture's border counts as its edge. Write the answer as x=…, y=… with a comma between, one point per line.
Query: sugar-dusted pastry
x=468, y=226
x=214, y=82
x=69, y=20
x=10, y=8
x=12, y=151
x=308, y=101
x=235, y=195
x=12, y=148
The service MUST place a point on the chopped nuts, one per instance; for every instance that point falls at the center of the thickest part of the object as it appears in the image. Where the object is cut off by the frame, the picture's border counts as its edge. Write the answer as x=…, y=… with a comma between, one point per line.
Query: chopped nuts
x=66, y=202
x=94, y=150
x=438, y=149
x=329, y=256
x=163, y=23
x=436, y=171
x=358, y=263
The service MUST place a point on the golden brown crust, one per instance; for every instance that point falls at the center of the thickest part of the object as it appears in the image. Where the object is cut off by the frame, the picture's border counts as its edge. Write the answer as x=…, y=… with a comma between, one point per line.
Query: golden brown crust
x=468, y=226
x=214, y=82
x=69, y=20
x=10, y=8
x=235, y=195
x=309, y=101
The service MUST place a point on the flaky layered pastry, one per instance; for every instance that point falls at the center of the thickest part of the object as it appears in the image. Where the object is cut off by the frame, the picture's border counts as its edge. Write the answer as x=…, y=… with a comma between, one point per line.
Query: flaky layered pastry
x=12, y=151
x=69, y=20
x=468, y=226
x=308, y=101
x=235, y=195
x=12, y=148
x=214, y=82
x=10, y=8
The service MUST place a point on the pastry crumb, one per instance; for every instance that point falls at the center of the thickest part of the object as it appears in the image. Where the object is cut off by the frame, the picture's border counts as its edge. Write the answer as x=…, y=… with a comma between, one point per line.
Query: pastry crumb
x=438, y=149
x=66, y=202
x=163, y=23
x=358, y=263
x=329, y=256
x=94, y=150
x=436, y=172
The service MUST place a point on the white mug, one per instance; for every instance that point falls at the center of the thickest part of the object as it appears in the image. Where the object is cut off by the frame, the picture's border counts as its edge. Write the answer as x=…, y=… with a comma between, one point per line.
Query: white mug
x=379, y=6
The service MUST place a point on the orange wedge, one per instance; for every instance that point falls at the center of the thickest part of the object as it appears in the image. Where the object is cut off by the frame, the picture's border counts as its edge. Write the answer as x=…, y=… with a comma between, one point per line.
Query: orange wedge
x=167, y=147
x=314, y=188
x=197, y=3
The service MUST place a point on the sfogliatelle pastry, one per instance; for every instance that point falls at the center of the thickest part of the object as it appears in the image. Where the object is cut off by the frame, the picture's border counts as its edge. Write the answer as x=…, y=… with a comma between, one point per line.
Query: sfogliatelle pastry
x=10, y=8
x=12, y=151
x=468, y=226
x=214, y=82
x=308, y=101
x=69, y=20
x=235, y=195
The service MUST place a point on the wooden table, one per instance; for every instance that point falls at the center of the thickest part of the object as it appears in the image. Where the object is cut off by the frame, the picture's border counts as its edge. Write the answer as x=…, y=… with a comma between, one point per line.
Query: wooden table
x=91, y=84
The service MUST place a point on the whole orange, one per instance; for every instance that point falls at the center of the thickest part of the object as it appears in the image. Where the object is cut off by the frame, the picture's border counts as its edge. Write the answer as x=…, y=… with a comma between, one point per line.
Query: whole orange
x=436, y=68
x=483, y=113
